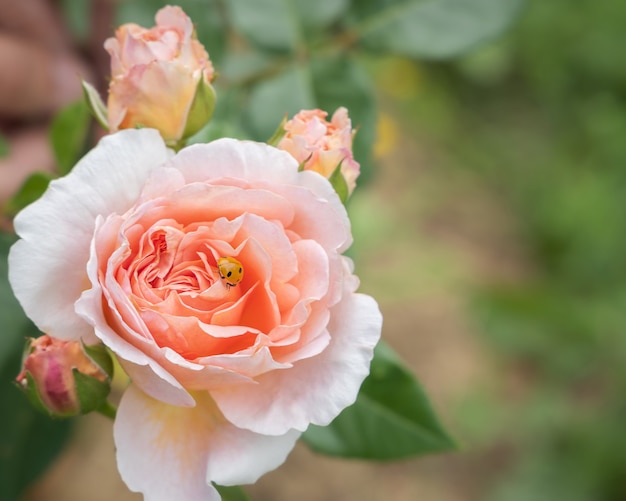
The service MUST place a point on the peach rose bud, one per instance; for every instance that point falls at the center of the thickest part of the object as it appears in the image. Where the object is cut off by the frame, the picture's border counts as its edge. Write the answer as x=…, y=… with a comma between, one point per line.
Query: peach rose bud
x=322, y=146
x=65, y=378
x=160, y=78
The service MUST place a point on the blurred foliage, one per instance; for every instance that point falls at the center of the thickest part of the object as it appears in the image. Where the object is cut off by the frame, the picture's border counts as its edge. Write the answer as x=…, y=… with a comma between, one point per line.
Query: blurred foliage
x=32, y=188
x=540, y=117
x=4, y=147
x=68, y=135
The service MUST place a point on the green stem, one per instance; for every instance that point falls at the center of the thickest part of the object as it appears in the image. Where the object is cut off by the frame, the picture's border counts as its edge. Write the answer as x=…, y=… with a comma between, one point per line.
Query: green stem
x=107, y=409
x=176, y=145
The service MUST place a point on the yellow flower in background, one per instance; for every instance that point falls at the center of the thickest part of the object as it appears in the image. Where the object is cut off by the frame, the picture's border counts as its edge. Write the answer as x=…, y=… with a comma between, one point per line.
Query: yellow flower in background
x=387, y=135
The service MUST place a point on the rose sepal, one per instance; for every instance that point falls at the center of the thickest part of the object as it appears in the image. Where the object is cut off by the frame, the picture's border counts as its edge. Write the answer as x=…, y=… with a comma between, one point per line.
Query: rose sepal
x=91, y=392
x=29, y=388
x=279, y=133
x=340, y=184
x=96, y=105
x=201, y=109
x=101, y=357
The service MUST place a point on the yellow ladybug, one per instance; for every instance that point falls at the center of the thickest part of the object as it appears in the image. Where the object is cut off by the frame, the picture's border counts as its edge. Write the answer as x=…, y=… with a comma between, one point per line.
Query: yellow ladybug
x=230, y=270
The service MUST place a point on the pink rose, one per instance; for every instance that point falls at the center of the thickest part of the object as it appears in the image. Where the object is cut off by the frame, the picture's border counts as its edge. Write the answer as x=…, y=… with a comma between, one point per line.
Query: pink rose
x=225, y=373
x=160, y=77
x=322, y=145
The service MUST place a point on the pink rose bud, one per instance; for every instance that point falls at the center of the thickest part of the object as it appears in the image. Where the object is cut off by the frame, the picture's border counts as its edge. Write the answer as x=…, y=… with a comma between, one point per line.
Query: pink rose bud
x=65, y=378
x=160, y=77
x=320, y=145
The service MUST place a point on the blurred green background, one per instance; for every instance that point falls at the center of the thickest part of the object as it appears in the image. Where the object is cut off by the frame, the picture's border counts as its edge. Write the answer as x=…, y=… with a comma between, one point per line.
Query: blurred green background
x=489, y=224
x=517, y=181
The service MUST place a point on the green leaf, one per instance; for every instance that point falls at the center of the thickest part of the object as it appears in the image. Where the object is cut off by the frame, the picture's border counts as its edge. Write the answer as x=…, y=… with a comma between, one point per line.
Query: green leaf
x=5, y=148
x=285, y=94
x=32, y=188
x=266, y=23
x=241, y=66
x=75, y=12
x=95, y=104
x=433, y=29
x=29, y=441
x=15, y=325
x=283, y=24
x=232, y=493
x=391, y=418
x=321, y=13
x=68, y=134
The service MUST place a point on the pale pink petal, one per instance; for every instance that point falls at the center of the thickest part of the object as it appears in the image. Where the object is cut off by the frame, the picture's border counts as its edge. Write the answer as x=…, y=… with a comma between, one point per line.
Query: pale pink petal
x=241, y=456
x=174, y=17
x=158, y=93
x=314, y=390
x=318, y=202
x=157, y=382
x=248, y=364
x=140, y=365
x=163, y=450
x=173, y=453
x=47, y=266
x=195, y=376
x=233, y=159
x=205, y=202
x=260, y=165
x=132, y=48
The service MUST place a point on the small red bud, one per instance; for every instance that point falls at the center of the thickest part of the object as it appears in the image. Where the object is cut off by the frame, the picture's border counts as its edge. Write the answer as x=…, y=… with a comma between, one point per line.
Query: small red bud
x=62, y=377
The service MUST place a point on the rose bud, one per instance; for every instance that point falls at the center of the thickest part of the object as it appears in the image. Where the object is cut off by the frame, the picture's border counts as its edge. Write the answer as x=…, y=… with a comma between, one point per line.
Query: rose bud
x=322, y=146
x=160, y=78
x=65, y=378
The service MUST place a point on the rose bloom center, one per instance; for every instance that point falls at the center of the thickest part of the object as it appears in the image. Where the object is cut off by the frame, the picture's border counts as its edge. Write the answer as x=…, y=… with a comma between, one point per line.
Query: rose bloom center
x=158, y=269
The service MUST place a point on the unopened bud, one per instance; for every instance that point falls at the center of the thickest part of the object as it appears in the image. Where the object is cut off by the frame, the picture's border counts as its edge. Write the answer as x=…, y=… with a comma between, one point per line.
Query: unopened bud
x=323, y=146
x=65, y=378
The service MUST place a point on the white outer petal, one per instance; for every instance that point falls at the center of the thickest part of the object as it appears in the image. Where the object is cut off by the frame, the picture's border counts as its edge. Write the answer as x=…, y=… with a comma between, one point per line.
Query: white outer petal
x=170, y=453
x=232, y=158
x=47, y=266
x=240, y=456
x=314, y=390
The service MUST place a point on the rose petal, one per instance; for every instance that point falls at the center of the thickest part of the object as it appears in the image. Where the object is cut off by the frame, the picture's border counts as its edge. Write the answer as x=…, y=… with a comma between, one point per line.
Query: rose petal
x=168, y=452
x=56, y=230
x=159, y=92
x=233, y=159
x=173, y=17
x=311, y=195
x=314, y=390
